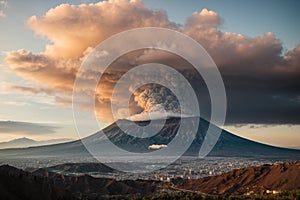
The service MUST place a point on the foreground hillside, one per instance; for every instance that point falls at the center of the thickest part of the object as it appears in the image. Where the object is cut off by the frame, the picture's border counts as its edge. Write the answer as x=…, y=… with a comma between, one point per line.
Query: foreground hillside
x=286, y=195
x=278, y=181
x=259, y=180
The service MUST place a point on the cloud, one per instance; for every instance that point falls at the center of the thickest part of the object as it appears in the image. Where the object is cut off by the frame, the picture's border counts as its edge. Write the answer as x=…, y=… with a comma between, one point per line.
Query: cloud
x=25, y=128
x=29, y=90
x=3, y=6
x=157, y=98
x=157, y=146
x=154, y=115
x=63, y=26
x=15, y=103
x=2, y=13
x=4, y=3
x=205, y=18
x=262, y=83
x=51, y=72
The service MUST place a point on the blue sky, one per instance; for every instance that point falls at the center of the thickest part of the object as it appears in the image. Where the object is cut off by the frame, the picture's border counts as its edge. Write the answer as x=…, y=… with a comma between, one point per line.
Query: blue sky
x=250, y=18
x=246, y=17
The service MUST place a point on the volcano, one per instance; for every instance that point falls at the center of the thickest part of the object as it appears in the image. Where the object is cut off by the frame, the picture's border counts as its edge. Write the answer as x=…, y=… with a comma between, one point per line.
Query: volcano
x=228, y=144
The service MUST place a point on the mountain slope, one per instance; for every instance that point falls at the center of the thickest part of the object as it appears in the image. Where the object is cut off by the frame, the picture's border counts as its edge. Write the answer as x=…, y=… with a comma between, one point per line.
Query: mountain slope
x=278, y=177
x=227, y=144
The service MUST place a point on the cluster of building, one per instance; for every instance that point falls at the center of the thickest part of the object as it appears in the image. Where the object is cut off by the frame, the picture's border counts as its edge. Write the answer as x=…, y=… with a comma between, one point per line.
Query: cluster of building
x=186, y=168
x=191, y=169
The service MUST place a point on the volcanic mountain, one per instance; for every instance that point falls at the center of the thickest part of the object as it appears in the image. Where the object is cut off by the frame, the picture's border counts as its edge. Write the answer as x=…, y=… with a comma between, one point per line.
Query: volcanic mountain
x=227, y=145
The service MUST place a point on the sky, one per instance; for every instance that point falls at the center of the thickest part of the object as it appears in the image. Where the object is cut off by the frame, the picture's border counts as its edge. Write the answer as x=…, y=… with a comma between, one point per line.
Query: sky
x=255, y=44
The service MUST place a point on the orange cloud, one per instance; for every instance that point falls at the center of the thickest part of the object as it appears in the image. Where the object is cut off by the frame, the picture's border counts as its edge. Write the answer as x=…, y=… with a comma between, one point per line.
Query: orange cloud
x=45, y=71
x=72, y=29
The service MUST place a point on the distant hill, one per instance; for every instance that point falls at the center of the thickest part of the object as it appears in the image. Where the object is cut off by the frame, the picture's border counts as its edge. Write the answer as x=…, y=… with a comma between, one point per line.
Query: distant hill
x=26, y=142
x=17, y=143
x=228, y=144
x=80, y=168
x=258, y=180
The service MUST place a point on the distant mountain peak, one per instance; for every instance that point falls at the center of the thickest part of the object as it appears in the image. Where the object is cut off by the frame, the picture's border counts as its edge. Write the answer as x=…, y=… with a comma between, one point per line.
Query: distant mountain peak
x=22, y=139
x=24, y=142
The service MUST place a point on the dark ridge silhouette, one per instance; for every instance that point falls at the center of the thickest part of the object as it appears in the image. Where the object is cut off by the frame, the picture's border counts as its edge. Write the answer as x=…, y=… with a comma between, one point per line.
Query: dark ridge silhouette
x=16, y=184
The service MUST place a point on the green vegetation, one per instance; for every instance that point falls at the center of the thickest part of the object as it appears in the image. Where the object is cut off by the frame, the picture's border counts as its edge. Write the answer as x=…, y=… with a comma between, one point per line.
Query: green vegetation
x=284, y=195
